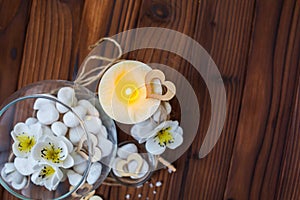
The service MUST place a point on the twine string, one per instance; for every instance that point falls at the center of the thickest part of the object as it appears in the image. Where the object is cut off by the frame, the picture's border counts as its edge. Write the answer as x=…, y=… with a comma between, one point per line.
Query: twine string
x=85, y=77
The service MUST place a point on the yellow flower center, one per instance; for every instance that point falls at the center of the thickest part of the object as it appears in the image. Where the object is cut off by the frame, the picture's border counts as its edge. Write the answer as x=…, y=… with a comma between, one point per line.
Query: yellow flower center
x=46, y=172
x=164, y=137
x=127, y=92
x=52, y=153
x=26, y=142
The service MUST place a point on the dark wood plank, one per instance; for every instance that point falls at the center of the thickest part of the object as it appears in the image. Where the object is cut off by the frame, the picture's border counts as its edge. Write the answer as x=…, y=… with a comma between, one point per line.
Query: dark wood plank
x=219, y=31
x=13, y=24
x=289, y=179
x=272, y=76
x=50, y=39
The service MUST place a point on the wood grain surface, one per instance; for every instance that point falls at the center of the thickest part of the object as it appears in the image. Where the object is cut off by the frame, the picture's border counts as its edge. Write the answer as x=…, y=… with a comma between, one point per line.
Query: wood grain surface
x=256, y=46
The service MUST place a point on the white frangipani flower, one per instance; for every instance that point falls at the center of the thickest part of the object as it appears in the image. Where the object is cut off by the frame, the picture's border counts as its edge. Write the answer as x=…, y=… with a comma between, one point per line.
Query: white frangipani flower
x=143, y=130
x=54, y=151
x=10, y=174
x=167, y=134
x=47, y=175
x=25, y=138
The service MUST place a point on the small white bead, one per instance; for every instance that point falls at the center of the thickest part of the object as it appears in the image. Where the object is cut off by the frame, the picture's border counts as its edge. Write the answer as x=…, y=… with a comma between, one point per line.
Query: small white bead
x=158, y=184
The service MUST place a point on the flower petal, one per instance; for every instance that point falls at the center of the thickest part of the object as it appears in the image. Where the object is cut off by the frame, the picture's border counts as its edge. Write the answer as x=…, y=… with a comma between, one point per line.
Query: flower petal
x=178, y=139
x=24, y=165
x=68, y=162
x=20, y=128
x=21, y=185
x=154, y=148
x=143, y=130
x=68, y=143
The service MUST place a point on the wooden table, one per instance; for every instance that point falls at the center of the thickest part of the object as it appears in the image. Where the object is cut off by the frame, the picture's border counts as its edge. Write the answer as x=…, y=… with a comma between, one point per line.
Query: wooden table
x=255, y=44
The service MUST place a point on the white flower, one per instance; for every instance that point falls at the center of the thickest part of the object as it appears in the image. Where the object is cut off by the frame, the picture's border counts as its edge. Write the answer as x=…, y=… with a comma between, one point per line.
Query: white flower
x=167, y=134
x=54, y=151
x=143, y=130
x=25, y=138
x=13, y=177
x=47, y=175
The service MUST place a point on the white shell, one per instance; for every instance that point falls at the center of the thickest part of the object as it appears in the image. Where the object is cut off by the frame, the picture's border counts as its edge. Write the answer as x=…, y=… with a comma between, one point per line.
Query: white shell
x=47, y=114
x=59, y=128
x=94, y=173
x=91, y=110
x=71, y=120
x=73, y=177
x=40, y=102
x=93, y=124
x=124, y=151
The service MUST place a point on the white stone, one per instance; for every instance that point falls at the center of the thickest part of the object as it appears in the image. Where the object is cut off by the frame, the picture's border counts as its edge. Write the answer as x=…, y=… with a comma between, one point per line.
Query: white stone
x=124, y=151
x=71, y=120
x=97, y=155
x=95, y=197
x=75, y=134
x=40, y=102
x=80, y=168
x=67, y=142
x=67, y=96
x=47, y=114
x=73, y=177
x=61, y=108
x=94, y=173
x=31, y=121
x=105, y=145
x=59, y=128
x=93, y=124
x=91, y=110
x=78, y=159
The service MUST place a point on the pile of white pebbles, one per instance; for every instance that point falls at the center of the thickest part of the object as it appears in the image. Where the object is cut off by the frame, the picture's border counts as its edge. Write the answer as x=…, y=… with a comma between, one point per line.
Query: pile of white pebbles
x=51, y=147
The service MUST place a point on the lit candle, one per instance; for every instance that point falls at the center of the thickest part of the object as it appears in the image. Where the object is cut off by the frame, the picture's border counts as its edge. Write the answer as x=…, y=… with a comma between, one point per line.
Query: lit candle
x=123, y=93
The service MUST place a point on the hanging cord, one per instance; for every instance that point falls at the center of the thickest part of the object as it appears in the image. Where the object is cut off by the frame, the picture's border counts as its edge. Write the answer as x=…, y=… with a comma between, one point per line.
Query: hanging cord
x=85, y=77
